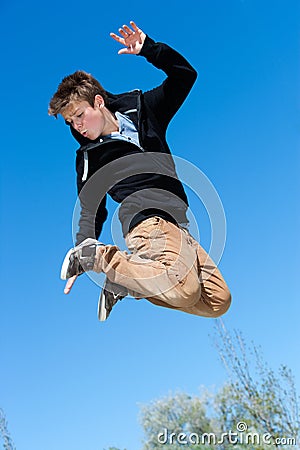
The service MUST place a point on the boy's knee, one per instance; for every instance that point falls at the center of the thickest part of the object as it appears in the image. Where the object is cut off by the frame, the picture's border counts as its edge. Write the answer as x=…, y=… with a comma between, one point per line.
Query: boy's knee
x=221, y=303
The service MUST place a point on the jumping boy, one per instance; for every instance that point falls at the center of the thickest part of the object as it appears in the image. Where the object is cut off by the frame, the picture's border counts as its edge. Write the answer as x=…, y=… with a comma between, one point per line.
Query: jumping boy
x=123, y=152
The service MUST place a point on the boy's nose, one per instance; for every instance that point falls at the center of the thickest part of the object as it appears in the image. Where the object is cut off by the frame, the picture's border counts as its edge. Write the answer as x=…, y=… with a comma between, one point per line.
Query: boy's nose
x=77, y=126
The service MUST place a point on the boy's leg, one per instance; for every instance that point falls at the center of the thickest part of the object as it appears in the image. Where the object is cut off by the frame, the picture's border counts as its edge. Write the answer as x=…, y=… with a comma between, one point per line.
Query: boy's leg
x=164, y=267
x=215, y=297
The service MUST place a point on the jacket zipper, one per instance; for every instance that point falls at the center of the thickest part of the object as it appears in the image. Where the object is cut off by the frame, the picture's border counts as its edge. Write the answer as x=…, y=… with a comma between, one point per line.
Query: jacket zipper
x=86, y=165
x=139, y=116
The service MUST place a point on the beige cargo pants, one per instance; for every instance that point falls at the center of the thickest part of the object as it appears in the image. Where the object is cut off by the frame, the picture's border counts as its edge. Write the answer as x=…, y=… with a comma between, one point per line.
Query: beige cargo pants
x=167, y=267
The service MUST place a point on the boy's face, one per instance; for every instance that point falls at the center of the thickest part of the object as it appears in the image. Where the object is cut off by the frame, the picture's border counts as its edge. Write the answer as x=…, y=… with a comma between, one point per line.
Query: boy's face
x=88, y=121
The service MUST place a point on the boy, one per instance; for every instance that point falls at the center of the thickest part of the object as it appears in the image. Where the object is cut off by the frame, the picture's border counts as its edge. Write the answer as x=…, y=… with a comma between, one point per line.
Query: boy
x=124, y=153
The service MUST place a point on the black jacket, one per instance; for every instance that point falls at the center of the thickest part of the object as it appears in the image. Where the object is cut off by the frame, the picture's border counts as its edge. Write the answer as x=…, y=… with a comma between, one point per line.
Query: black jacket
x=143, y=179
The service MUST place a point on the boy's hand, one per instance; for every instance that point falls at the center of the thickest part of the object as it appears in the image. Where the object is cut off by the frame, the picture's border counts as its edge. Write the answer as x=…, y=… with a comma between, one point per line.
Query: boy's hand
x=69, y=284
x=133, y=39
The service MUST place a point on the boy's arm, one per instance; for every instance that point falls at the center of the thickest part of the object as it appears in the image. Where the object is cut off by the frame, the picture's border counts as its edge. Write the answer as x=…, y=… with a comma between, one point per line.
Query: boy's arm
x=92, y=214
x=90, y=222
x=164, y=100
x=89, y=226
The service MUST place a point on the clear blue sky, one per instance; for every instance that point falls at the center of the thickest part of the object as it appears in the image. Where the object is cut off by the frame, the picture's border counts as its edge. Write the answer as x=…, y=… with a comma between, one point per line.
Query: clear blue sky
x=66, y=380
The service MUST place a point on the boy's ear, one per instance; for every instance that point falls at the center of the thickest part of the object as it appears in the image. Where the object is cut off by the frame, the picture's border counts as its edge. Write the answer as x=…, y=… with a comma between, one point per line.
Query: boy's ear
x=99, y=101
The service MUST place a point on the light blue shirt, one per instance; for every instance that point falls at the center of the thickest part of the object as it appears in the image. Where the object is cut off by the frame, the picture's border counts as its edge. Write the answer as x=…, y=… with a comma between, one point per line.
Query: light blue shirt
x=127, y=130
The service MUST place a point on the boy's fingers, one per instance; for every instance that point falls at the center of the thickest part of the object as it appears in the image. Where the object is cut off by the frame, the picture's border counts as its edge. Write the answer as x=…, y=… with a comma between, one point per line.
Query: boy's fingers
x=134, y=26
x=117, y=38
x=127, y=29
x=69, y=284
x=122, y=32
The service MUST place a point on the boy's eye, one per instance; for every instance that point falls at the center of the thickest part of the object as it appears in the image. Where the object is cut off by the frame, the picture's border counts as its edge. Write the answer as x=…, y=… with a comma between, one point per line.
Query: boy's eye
x=79, y=115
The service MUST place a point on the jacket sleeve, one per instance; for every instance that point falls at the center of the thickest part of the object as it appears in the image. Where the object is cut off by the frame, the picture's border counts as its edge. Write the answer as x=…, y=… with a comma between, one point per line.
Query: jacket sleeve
x=90, y=224
x=166, y=99
x=92, y=214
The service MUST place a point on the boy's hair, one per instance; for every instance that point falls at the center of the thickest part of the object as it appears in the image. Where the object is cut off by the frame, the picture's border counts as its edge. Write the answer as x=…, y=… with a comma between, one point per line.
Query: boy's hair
x=78, y=86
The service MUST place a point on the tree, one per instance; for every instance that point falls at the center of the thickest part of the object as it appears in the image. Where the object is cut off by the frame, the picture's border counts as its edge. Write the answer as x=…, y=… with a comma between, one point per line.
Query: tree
x=171, y=421
x=255, y=407
x=267, y=402
x=4, y=434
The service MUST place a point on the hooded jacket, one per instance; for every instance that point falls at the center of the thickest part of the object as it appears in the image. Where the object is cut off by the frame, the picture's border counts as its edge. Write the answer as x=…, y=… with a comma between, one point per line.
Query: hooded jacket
x=143, y=179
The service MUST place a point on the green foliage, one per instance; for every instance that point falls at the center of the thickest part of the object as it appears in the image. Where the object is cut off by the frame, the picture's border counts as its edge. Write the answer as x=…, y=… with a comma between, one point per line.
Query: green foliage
x=256, y=409
x=178, y=413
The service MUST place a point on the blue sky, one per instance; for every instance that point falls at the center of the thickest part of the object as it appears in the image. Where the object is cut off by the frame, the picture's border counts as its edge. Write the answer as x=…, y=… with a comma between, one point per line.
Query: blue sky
x=67, y=381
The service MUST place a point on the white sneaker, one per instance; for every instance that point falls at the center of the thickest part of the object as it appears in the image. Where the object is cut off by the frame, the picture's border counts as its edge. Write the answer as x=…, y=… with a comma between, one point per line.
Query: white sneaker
x=79, y=259
x=111, y=293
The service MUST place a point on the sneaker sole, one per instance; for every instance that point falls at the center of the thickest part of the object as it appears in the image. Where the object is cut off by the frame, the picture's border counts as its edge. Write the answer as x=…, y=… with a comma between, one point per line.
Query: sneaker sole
x=101, y=308
x=65, y=265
